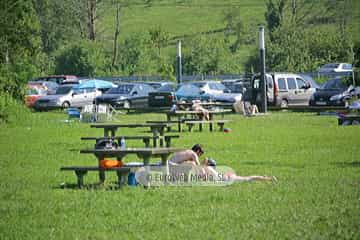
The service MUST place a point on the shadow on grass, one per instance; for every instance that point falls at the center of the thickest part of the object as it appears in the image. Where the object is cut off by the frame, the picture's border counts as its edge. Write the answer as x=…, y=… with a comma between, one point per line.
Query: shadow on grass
x=347, y=164
x=108, y=186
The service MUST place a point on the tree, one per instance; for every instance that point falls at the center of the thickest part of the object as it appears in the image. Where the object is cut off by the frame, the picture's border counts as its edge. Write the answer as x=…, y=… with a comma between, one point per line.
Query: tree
x=84, y=58
x=158, y=38
x=19, y=31
x=234, y=27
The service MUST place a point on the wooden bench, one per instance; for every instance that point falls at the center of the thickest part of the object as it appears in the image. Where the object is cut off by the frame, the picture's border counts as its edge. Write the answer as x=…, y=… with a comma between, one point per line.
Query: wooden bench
x=122, y=172
x=220, y=123
x=146, y=139
x=81, y=171
x=350, y=118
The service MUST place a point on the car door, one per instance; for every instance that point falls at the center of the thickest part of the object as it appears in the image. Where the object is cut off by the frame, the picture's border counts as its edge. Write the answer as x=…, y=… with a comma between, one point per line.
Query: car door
x=77, y=98
x=292, y=90
x=303, y=92
x=89, y=96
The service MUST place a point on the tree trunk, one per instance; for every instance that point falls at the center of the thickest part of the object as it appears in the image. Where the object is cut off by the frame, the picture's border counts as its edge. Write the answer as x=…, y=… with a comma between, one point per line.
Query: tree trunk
x=91, y=9
x=116, y=35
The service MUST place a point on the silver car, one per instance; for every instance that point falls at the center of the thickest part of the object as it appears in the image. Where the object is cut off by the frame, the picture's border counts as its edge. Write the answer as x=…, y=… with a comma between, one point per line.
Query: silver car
x=67, y=96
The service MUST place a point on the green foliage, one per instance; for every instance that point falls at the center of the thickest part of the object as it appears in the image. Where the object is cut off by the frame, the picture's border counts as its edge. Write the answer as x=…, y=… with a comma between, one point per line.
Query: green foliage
x=84, y=58
x=206, y=55
x=12, y=110
x=304, y=50
x=135, y=55
x=19, y=31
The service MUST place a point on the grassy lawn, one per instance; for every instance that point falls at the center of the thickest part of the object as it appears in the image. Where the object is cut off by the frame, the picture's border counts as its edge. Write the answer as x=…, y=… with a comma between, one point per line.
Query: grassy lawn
x=317, y=164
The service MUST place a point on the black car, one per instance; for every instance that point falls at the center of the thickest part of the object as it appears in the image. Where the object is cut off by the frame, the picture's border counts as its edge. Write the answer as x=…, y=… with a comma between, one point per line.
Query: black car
x=324, y=95
x=163, y=96
x=126, y=95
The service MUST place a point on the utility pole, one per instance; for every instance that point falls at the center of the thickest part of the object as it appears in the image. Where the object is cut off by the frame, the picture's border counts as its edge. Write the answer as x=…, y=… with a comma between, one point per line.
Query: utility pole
x=263, y=106
x=179, y=64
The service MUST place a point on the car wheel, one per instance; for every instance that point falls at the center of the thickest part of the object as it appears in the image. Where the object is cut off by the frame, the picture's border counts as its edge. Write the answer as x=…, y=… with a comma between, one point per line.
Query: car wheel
x=65, y=105
x=127, y=104
x=284, y=103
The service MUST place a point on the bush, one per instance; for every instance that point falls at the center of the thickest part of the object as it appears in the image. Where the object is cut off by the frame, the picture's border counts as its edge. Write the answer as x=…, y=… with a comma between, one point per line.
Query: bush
x=84, y=58
x=12, y=110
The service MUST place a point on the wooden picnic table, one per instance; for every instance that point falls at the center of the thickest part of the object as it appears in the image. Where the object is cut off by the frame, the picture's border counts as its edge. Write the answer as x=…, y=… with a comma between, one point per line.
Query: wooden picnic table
x=157, y=129
x=181, y=114
x=143, y=153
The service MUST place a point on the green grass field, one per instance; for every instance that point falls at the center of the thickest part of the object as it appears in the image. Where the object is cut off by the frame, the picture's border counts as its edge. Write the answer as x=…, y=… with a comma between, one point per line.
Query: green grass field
x=317, y=196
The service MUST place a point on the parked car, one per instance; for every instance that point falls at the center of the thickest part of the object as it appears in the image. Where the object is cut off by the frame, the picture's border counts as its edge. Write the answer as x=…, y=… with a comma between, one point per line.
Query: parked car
x=156, y=85
x=50, y=87
x=189, y=92
x=68, y=96
x=326, y=96
x=163, y=96
x=127, y=95
x=211, y=86
x=59, y=79
x=283, y=89
x=33, y=92
x=336, y=68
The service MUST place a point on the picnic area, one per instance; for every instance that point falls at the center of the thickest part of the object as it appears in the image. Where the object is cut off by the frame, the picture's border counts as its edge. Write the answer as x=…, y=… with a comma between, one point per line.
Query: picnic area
x=316, y=196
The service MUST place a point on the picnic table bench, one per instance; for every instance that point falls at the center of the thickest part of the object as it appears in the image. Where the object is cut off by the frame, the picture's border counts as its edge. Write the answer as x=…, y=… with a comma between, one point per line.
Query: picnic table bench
x=183, y=116
x=122, y=172
x=220, y=123
x=178, y=121
x=146, y=139
x=143, y=153
x=156, y=128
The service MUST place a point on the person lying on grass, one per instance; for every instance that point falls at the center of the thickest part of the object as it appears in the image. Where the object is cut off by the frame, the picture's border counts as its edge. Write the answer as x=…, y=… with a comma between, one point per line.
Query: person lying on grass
x=207, y=167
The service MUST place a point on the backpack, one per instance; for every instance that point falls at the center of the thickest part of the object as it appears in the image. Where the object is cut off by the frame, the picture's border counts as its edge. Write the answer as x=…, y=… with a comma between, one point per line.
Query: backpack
x=106, y=144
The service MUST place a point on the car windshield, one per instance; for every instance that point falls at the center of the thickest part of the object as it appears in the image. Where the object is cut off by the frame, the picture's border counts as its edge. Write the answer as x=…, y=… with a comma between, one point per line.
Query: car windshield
x=63, y=90
x=335, y=84
x=188, y=89
x=121, y=89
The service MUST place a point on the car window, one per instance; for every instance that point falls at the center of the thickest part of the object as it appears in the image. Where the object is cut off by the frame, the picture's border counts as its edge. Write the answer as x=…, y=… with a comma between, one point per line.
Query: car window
x=90, y=90
x=63, y=90
x=269, y=82
x=291, y=83
x=188, y=89
x=79, y=91
x=347, y=66
x=300, y=83
x=121, y=89
x=166, y=88
x=199, y=84
x=281, y=84
x=335, y=84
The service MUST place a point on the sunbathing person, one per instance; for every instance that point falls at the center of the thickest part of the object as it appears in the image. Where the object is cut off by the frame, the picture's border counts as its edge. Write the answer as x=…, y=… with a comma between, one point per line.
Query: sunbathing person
x=207, y=167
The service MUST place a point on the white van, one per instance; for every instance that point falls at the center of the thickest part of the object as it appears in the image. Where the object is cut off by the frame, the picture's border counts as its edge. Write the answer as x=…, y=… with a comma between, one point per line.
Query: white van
x=283, y=89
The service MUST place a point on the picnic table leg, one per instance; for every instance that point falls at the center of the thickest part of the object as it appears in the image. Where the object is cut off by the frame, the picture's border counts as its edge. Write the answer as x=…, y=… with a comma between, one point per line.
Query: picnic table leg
x=200, y=127
x=161, y=132
x=165, y=166
x=80, y=177
x=167, y=141
x=179, y=123
x=147, y=142
x=211, y=117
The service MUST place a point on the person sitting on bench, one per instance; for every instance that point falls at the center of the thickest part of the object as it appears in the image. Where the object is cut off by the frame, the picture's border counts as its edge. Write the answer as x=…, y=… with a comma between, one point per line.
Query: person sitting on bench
x=203, y=113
